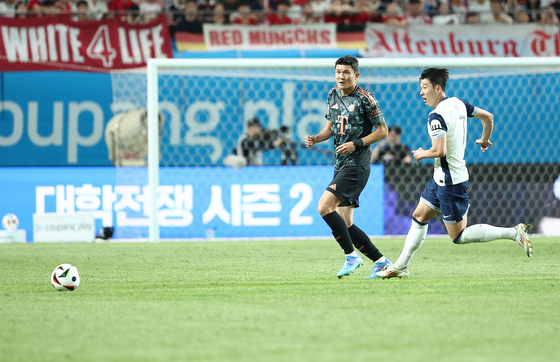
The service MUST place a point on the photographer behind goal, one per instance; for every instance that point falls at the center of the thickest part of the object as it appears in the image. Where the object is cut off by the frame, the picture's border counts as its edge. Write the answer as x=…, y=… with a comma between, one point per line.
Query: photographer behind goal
x=252, y=143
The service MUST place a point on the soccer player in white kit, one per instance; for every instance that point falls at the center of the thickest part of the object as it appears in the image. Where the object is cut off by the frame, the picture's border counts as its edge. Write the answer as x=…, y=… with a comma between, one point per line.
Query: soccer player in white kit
x=446, y=192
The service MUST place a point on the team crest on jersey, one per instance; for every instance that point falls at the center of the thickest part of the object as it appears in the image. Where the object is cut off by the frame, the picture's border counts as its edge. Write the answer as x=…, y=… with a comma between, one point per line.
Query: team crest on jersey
x=351, y=108
x=334, y=106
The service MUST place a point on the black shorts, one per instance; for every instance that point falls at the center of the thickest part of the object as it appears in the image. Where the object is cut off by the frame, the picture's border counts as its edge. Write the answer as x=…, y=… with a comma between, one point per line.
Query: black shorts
x=348, y=183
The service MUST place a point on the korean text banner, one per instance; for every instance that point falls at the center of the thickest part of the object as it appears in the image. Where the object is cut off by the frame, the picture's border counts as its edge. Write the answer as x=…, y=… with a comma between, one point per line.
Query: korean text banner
x=527, y=40
x=193, y=202
x=54, y=44
x=218, y=37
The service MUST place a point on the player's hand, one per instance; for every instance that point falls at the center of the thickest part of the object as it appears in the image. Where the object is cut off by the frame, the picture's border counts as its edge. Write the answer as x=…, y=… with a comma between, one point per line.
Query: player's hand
x=418, y=155
x=309, y=141
x=346, y=148
x=484, y=145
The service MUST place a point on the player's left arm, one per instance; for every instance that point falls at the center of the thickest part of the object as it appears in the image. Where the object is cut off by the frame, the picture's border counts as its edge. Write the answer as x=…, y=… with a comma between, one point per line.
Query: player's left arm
x=487, y=119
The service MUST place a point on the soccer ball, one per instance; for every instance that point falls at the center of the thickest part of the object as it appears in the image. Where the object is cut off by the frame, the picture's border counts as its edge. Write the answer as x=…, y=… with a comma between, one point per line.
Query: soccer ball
x=10, y=222
x=65, y=277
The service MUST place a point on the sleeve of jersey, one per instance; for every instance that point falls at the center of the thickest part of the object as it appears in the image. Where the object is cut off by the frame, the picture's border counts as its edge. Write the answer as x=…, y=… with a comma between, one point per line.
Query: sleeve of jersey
x=372, y=109
x=438, y=127
x=327, y=113
x=471, y=110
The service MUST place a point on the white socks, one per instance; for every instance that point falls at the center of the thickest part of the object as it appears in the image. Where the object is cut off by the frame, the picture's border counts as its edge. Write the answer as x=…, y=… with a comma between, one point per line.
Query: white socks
x=352, y=253
x=480, y=233
x=414, y=240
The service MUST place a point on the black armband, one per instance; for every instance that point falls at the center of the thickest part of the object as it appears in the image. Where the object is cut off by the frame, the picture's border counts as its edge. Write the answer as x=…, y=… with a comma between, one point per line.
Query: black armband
x=358, y=143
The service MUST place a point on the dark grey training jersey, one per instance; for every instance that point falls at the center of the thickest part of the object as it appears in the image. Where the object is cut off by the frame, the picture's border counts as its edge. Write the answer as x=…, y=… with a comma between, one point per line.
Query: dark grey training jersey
x=353, y=117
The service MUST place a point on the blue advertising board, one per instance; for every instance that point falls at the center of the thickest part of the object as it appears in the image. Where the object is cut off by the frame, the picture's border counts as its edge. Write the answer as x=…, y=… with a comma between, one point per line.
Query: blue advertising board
x=60, y=118
x=193, y=202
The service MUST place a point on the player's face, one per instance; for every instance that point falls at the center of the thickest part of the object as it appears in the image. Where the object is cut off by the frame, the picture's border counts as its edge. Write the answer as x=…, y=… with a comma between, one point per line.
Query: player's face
x=429, y=93
x=345, y=78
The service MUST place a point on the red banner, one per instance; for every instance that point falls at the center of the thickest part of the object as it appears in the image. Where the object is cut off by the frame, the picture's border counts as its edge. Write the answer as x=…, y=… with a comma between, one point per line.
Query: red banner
x=50, y=43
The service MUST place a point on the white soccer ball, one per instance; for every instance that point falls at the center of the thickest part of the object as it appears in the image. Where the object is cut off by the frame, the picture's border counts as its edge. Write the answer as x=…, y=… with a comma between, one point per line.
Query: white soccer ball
x=10, y=222
x=65, y=277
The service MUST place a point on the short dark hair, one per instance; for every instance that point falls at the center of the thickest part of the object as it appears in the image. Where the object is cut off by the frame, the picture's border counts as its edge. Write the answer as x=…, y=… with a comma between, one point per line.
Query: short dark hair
x=436, y=76
x=82, y=2
x=253, y=122
x=395, y=129
x=348, y=60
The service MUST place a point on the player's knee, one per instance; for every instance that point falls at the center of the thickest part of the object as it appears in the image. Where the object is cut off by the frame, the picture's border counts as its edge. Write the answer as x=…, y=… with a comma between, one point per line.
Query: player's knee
x=325, y=209
x=420, y=217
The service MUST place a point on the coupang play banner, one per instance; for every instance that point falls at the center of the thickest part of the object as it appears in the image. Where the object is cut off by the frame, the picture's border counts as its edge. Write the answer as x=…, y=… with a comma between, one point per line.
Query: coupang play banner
x=51, y=43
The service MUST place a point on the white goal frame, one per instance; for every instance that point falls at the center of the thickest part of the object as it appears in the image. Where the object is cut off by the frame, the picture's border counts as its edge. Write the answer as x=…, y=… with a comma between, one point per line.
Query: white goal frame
x=154, y=65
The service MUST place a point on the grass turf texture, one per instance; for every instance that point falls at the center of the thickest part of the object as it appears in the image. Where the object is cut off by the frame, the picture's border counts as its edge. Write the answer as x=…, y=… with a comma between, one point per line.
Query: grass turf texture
x=279, y=301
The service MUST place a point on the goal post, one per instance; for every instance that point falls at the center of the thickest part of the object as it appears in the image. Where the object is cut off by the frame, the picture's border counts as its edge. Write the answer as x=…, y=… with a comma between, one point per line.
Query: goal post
x=395, y=83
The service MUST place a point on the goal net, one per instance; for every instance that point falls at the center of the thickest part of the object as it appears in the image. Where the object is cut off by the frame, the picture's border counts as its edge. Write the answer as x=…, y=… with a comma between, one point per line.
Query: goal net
x=205, y=105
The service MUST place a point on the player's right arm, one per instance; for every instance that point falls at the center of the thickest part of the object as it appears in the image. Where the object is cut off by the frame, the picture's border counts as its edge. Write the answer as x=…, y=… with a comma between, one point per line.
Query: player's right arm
x=324, y=135
x=487, y=119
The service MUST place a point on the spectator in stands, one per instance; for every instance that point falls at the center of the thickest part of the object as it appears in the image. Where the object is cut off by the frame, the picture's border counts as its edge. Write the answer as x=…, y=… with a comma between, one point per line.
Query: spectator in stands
x=36, y=6
x=65, y=8
x=150, y=9
x=459, y=8
x=231, y=6
x=120, y=9
x=319, y=7
x=206, y=10
x=549, y=17
x=366, y=13
x=49, y=8
x=392, y=17
x=472, y=18
x=390, y=151
x=82, y=9
x=341, y=14
x=133, y=17
x=415, y=13
x=220, y=17
x=8, y=8
x=444, y=17
x=308, y=16
x=280, y=17
x=482, y=7
x=176, y=12
x=431, y=7
x=533, y=8
x=97, y=9
x=243, y=15
x=294, y=12
x=21, y=10
x=497, y=16
x=521, y=17
x=190, y=24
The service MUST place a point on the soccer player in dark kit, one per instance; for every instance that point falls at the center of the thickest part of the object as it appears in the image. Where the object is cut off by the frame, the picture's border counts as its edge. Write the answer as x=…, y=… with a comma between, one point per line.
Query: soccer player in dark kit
x=352, y=114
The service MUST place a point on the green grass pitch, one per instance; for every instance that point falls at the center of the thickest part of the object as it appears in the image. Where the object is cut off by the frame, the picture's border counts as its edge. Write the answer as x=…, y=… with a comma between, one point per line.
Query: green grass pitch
x=279, y=301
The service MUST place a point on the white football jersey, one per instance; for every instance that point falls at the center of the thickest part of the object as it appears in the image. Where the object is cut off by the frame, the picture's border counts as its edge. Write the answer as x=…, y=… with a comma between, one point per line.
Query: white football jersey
x=449, y=119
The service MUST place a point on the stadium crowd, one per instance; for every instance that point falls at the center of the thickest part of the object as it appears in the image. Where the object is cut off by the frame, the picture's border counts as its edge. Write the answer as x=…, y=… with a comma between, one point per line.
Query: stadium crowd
x=349, y=15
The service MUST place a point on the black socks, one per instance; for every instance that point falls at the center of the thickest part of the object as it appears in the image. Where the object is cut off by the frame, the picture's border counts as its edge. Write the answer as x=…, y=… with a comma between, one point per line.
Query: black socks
x=363, y=243
x=340, y=232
